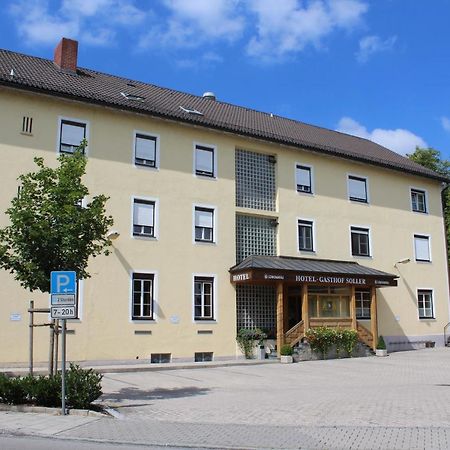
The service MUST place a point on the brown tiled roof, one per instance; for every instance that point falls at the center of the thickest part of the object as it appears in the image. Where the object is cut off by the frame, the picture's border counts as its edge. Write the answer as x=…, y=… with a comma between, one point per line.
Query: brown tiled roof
x=42, y=75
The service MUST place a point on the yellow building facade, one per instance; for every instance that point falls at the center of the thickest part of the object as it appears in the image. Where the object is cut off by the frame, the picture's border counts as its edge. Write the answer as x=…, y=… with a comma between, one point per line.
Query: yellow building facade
x=192, y=196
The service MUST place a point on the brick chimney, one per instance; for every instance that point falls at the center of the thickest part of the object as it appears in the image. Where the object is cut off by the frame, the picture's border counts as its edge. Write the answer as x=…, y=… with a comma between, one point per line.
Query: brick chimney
x=66, y=54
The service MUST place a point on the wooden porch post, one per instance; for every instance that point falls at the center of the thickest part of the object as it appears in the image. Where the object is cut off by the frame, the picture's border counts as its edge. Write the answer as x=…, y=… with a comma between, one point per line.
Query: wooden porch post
x=373, y=316
x=353, y=308
x=305, y=308
x=280, y=317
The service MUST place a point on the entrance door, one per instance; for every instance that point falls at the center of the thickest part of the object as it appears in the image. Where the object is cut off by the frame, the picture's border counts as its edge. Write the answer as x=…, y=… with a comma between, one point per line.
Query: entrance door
x=294, y=297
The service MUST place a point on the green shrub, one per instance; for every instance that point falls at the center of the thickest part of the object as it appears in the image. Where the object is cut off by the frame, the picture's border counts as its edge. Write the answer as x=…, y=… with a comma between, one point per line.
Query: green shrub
x=286, y=350
x=246, y=340
x=14, y=391
x=46, y=391
x=83, y=386
x=321, y=339
x=381, y=344
x=348, y=340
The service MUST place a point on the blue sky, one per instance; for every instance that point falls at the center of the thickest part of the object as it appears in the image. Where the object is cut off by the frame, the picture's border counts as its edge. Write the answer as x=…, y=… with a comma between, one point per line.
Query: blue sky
x=377, y=69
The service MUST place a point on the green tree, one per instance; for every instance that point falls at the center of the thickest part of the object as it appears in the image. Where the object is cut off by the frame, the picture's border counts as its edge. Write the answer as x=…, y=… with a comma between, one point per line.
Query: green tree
x=49, y=227
x=432, y=159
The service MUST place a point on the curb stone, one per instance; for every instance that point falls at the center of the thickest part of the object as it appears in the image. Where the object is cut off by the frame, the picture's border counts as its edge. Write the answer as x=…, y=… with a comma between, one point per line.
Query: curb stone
x=52, y=411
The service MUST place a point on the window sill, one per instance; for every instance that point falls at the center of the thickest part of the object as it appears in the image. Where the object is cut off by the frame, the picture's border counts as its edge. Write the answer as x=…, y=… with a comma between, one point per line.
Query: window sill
x=205, y=177
x=423, y=261
x=428, y=319
x=205, y=321
x=308, y=194
x=363, y=256
x=419, y=212
x=144, y=238
x=145, y=167
x=208, y=243
x=359, y=202
x=143, y=321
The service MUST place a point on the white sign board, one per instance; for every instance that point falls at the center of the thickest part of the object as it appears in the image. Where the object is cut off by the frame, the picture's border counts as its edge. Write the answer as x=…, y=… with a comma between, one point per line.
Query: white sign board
x=63, y=299
x=63, y=312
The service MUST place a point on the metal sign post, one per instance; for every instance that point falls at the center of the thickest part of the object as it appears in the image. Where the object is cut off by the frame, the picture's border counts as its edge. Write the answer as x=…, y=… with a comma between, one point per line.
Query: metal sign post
x=63, y=367
x=63, y=290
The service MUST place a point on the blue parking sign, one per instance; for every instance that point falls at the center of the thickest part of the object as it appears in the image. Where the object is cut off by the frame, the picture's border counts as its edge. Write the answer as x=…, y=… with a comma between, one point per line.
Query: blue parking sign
x=63, y=282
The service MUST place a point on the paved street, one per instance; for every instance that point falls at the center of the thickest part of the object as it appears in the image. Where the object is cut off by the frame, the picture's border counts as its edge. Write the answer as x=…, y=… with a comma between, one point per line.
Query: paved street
x=398, y=402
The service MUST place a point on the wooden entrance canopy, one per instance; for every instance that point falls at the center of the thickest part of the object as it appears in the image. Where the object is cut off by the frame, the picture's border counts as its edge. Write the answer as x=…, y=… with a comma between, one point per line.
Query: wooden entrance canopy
x=273, y=269
x=283, y=271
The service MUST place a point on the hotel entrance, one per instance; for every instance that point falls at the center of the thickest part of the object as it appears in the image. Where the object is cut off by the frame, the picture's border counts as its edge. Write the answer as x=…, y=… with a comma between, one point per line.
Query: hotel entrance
x=311, y=293
x=294, y=305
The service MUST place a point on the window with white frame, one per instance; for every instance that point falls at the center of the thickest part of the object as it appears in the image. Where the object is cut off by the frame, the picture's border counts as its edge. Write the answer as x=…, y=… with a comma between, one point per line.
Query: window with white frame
x=305, y=235
x=204, y=161
x=71, y=134
x=418, y=201
x=203, y=298
x=145, y=150
x=422, y=248
x=360, y=241
x=357, y=189
x=143, y=218
x=362, y=298
x=142, y=303
x=303, y=179
x=204, y=224
x=425, y=303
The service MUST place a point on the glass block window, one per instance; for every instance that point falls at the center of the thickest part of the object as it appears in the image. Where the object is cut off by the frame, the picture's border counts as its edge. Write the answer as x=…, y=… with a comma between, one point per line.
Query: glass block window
x=256, y=308
x=255, y=180
x=255, y=236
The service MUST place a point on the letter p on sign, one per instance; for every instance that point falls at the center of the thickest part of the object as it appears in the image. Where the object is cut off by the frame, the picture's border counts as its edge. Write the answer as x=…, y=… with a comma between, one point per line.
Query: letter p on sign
x=64, y=282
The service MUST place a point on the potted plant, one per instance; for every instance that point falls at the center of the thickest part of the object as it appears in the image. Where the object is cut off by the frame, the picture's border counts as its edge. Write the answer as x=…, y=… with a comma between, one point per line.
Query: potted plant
x=381, y=347
x=286, y=352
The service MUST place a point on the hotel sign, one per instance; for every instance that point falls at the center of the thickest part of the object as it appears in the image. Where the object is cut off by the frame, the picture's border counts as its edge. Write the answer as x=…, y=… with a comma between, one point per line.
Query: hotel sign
x=329, y=280
x=262, y=276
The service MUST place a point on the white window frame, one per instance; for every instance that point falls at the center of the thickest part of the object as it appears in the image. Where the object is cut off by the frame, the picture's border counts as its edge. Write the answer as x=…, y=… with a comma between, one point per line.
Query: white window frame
x=157, y=147
x=215, y=302
x=311, y=176
x=194, y=158
x=155, y=296
x=368, y=228
x=313, y=224
x=432, y=303
x=58, y=134
x=427, y=205
x=215, y=223
x=360, y=178
x=155, y=219
x=423, y=236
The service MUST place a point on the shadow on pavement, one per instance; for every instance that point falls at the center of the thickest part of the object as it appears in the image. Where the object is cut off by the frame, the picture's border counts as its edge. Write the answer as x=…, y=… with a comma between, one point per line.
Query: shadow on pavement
x=132, y=393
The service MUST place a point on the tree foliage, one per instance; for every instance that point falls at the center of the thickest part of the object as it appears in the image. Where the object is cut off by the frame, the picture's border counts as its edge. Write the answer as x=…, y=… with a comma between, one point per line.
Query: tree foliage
x=432, y=159
x=50, y=229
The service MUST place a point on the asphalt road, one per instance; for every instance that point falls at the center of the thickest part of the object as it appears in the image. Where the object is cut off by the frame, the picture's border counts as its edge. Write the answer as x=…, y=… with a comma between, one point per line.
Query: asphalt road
x=43, y=443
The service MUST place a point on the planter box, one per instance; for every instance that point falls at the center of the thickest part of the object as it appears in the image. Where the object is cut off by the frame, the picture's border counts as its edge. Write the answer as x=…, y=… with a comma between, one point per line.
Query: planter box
x=380, y=352
x=284, y=359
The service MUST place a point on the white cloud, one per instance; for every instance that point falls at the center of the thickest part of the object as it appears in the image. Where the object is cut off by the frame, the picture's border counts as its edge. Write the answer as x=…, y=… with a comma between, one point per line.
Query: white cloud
x=289, y=26
x=91, y=21
x=399, y=140
x=445, y=122
x=207, y=59
x=196, y=22
x=373, y=44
